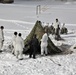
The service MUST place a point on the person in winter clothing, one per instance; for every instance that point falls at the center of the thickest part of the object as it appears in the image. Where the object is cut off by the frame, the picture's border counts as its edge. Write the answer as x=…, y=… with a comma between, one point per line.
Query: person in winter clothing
x=57, y=34
x=13, y=42
x=19, y=45
x=44, y=44
x=34, y=43
x=64, y=30
x=56, y=25
x=1, y=37
x=52, y=29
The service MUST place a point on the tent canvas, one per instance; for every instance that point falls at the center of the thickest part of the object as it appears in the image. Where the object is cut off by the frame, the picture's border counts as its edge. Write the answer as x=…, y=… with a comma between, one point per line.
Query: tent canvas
x=39, y=31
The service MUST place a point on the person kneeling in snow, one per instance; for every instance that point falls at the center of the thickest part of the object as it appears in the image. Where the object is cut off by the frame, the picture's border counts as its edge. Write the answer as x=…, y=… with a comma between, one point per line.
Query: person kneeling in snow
x=64, y=30
x=44, y=44
x=19, y=45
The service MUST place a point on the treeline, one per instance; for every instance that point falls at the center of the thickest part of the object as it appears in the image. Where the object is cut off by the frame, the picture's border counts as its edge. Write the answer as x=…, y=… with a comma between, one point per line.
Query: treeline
x=6, y=1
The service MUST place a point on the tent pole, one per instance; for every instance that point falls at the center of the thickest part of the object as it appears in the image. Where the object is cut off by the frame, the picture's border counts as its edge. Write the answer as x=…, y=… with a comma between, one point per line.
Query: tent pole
x=38, y=11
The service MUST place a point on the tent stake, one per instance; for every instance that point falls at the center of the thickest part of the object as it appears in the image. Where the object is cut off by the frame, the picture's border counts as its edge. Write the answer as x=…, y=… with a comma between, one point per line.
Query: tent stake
x=54, y=62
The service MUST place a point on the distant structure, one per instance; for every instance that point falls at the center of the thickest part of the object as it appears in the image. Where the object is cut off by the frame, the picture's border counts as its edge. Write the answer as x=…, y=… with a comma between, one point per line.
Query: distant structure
x=6, y=1
x=64, y=0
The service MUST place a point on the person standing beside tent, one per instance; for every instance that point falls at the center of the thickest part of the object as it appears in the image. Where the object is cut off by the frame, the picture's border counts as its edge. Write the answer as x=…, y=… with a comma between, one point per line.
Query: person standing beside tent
x=57, y=34
x=19, y=45
x=13, y=42
x=57, y=23
x=34, y=43
x=52, y=29
x=44, y=44
x=1, y=37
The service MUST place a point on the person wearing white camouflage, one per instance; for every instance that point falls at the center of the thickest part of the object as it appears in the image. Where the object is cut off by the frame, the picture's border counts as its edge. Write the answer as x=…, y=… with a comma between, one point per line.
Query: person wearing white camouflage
x=19, y=45
x=44, y=44
x=1, y=37
x=13, y=42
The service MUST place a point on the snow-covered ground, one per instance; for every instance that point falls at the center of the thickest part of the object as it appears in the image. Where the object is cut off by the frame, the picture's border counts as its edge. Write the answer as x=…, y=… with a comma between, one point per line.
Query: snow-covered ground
x=21, y=17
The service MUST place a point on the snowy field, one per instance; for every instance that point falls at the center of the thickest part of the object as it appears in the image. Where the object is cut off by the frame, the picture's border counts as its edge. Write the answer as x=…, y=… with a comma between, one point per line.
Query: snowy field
x=21, y=17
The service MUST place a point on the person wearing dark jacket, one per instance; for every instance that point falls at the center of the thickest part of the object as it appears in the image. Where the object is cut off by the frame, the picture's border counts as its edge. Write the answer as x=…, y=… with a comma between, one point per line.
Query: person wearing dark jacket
x=34, y=43
x=57, y=35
